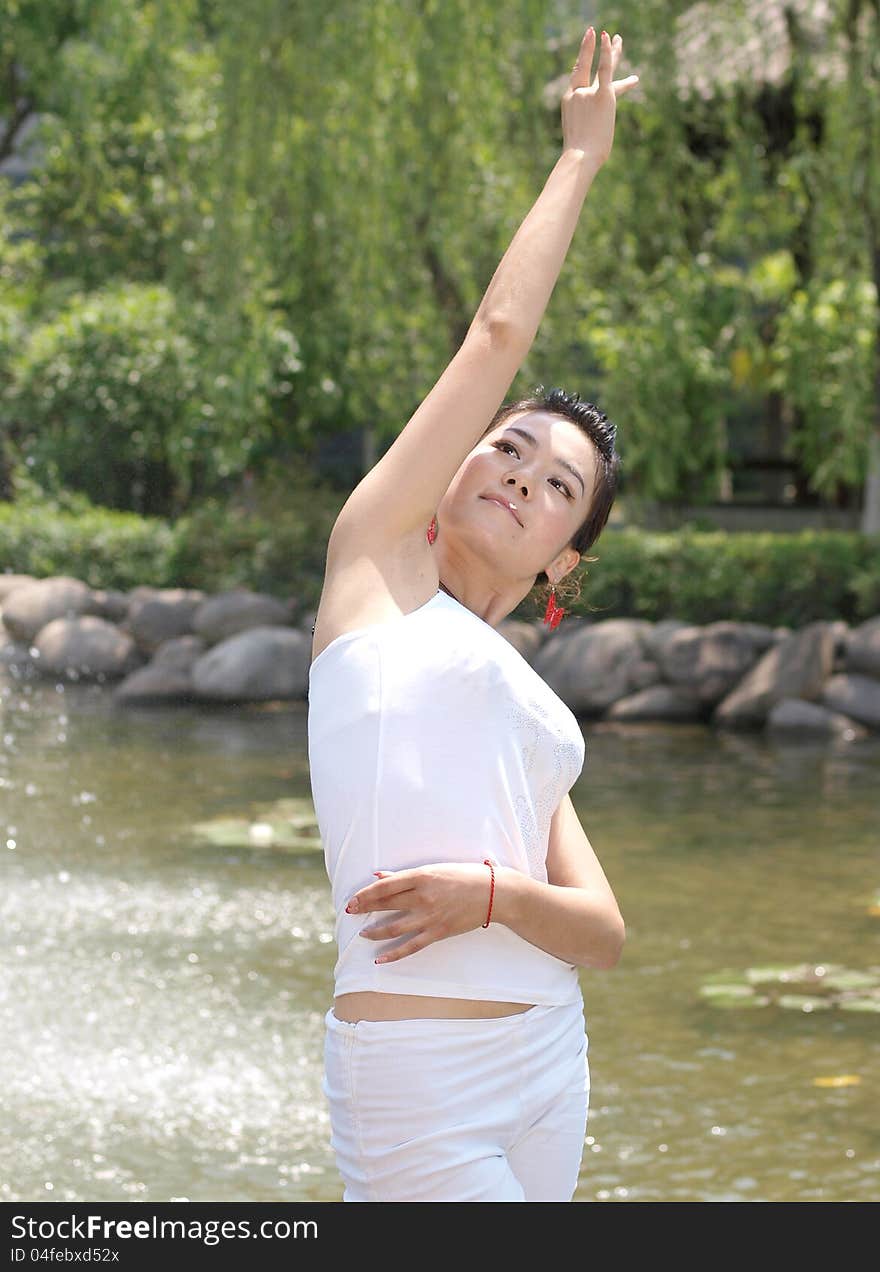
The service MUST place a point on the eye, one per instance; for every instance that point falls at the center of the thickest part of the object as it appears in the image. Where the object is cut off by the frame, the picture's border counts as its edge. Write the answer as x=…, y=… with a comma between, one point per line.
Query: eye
x=561, y=484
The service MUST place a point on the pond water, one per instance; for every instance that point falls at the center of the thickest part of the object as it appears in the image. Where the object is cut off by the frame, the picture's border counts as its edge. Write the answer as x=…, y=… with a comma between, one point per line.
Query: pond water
x=162, y=996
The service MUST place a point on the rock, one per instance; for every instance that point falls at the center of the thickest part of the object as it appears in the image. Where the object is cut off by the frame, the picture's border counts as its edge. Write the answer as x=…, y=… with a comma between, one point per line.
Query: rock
x=643, y=674
x=110, y=605
x=708, y=661
x=89, y=647
x=9, y=582
x=261, y=664
x=659, y=702
x=156, y=615
x=168, y=677
x=863, y=648
x=180, y=652
x=593, y=665
x=840, y=631
x=30, y=607
x=795, y=716
x=797, y=667
x=225, y=615
x=660, y=633
x=17, y=656
x=856, y=696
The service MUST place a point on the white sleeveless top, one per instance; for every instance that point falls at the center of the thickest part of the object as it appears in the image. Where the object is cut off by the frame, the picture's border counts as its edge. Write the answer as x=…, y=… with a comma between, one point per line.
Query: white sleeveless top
x=431, y=739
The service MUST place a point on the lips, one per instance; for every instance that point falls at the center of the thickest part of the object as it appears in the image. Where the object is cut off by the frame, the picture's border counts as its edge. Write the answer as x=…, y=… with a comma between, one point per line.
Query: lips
x=502, y=504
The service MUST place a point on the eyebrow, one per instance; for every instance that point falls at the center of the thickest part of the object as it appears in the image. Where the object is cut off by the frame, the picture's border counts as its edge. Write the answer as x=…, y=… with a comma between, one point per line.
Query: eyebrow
x=563, y=463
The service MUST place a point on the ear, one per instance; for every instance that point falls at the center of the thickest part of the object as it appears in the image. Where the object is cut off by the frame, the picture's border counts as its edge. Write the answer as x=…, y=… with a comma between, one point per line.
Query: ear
x=564, y=564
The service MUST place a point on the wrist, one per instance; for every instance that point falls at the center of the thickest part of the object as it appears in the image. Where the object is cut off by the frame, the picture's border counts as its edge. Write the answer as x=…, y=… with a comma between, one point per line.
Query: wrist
x=510, y=885
x=584, y=160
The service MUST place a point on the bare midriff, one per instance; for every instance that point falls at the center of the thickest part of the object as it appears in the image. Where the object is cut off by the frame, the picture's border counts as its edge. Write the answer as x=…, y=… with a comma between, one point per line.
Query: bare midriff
x=371, y=1005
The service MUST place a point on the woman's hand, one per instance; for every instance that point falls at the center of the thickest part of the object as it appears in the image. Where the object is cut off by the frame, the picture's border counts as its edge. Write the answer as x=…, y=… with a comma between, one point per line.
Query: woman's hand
x=588, y=110
x=431, y=903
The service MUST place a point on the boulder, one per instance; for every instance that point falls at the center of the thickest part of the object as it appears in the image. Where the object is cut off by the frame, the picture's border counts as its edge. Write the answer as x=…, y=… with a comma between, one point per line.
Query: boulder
x=30, y=607
x=9, y=582
x=168, y=677
x=659, y=702
x=86, y=647
x=856, y=696
x=594, y=664
x=228, y=613
x=862, y=652
x=17, y=656
x=159, y=614
x=109, y=604
x=796, y=667
x=258, y=665
x=660, y=633
x=708, y=661
x=798, y=718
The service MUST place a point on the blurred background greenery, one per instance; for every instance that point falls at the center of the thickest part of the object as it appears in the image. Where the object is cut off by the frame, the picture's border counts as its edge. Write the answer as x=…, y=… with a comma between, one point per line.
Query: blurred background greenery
x=241, y=240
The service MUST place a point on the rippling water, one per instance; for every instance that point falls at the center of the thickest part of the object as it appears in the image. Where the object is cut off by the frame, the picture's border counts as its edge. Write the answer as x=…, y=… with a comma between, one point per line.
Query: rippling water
x=161, y=999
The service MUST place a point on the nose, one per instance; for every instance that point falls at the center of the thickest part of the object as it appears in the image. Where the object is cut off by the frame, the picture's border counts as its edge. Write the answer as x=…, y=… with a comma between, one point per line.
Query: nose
x=523, y=485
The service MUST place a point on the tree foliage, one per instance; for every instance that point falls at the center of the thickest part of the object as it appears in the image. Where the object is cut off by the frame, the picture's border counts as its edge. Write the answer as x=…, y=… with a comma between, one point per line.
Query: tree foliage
x=320, y=194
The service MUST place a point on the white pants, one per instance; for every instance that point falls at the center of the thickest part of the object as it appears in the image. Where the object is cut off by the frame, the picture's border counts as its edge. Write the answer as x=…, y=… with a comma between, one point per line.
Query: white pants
x=459, y=1110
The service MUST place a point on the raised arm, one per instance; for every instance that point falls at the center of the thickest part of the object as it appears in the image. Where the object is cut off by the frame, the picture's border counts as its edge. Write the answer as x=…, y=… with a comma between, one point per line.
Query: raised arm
x=402, y=491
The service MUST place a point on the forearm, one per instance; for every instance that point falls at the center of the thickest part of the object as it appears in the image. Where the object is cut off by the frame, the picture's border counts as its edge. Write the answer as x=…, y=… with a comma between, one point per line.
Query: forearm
x=573, y=924
x=523, y=283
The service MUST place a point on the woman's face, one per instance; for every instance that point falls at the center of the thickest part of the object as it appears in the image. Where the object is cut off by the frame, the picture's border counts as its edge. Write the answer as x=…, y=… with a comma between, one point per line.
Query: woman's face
x=550, y=481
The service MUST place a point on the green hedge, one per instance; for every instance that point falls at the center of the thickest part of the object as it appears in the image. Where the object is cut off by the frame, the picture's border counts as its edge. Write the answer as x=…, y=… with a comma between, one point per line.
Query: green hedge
x=280, y=549
x=697, y=576
x=704, y=576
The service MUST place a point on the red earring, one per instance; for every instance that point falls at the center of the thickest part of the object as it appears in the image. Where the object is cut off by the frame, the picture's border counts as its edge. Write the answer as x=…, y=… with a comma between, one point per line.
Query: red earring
x=432, y=530
x=553, y=614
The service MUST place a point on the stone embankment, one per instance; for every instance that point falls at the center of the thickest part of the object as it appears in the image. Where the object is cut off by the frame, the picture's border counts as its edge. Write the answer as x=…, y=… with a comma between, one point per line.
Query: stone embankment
x=177, y=645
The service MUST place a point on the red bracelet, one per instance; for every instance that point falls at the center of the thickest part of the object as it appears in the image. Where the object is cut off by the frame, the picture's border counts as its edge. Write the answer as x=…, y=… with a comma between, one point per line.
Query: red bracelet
x=488, y=863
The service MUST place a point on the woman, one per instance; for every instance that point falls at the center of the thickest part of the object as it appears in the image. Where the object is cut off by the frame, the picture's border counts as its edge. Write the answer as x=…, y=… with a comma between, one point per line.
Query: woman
x=466, y=892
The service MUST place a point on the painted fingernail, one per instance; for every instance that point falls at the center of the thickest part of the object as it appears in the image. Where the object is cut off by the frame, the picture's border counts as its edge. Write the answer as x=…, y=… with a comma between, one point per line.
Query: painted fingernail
x=352, y=907
x=380, y=959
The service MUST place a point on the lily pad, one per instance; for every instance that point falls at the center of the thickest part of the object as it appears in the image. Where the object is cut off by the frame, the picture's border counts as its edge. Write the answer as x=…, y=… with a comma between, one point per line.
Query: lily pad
x=860, y=1004
x=800, y=974
x=804, y=1002
x=850, y=978
x=286, y=825
x=727, y=990
x=730, y=994
x=740, y=1001
x=803, y=987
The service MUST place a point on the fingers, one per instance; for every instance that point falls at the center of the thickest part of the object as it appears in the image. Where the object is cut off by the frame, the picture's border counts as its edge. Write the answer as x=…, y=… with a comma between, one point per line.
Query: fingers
x=580, y=75
x=610, y=49
x=623, y=86
x=386, y=929
x=607, y=51
x=417, y=943
x=385, y=896
x=373, y=896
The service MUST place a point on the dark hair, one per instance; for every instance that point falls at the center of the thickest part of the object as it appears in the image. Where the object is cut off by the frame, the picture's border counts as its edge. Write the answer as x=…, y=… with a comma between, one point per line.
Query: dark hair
x=601, y=432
